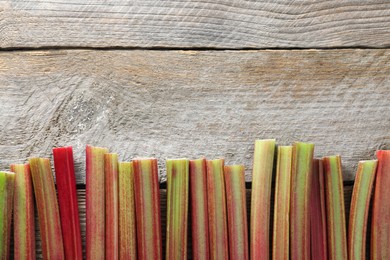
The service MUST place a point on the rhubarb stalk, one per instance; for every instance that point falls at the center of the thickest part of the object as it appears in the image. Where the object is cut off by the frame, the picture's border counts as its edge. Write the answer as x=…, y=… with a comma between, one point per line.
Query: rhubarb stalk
x=335, y=209
x=199, y=209
x=217, y=210
x=236, y=208
x=380, y=229
x=360, y=204
x=24, y=225
x=300, y=205
x=177, y=208
x=95, y=202
x=147, y=202
x=127, y=227
x=261, y=199
x=280, y=246
x=319, y=248
x=6, y=202
x=48, y=213
x=112, y=205
x=67, y=200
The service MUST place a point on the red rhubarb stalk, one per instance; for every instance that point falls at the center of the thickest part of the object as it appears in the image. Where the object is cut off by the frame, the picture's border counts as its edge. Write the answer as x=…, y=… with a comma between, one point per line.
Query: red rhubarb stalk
x=280, y=246
x=300, y=205
x=199, y=209
x=380, y=229
x=319, y=248
x=67, y=200
x=335, y=209
x=95, y=202
x=112, y=205
x=236, y=208
x=48, y=213
x=24, y=225
x=147, y=202
x=177, y=208
x=261, y=199
x=217, y=210
x=6, y=202
x=360, y=204
x=127, y=226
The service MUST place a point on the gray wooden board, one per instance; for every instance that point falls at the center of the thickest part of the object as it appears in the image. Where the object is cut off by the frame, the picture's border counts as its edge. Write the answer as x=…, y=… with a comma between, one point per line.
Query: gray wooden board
x=191, y=24
x=169, y=104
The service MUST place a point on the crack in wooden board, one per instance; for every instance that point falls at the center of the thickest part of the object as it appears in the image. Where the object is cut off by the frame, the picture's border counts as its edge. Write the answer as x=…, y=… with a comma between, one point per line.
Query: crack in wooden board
x=171, y=104
x=195, y=24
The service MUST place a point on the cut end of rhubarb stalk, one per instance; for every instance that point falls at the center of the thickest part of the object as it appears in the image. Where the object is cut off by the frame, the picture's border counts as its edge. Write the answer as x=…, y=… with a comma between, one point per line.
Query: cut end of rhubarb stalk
x=24, y=221
x=380, y=229
x=217, y=210
x=334, y=190
x=7, y=180
x=263, y=162
x=199, y=209
x=360, y=203
x=177, y=208
x=48, y=213
x=300, y=204
x=236, y=208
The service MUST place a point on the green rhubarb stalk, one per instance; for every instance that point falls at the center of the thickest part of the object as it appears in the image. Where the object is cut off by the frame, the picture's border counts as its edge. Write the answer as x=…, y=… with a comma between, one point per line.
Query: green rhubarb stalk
x=112, y=205
x=380, y=223
x=127, y=226
x=300, y=204
x=360, y=204
x=6, y=202
x=95, y=203
x=261, y=199
x=319, y=248
x=236, y=208
x=217, y=210
x=147, y=202
x=24, y=225
x=199, y=210
x=335, y=209
x=280, y=245
x=177, y=208
x=48, y=212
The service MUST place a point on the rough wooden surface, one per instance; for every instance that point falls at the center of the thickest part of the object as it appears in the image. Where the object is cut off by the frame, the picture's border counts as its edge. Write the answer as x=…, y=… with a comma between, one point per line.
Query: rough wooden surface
x=192, y=24
x=171, y=104
x=163, y=195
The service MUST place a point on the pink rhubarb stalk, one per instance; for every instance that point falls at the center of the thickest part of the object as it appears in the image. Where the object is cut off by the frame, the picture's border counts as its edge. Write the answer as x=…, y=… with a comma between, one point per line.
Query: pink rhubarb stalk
x=236, y=208
x=360, y=204
x=177, y=208
x=95, y=203
x=112, y=205
x=48, y=213
x=147, y=202
x=319, y=248
x=24, y=225
x=6, y=203
x=335, y=209
x=67, y=200
x=199, y=209
x=280, y=245
x=380, y=224
x=217, y=210
x=300, y=205
x=261, y=199
x=127, y=226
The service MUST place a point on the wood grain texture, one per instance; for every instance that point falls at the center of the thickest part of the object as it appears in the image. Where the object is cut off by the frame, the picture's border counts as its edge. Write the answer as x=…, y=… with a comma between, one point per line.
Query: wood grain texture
x=194, y=24
x=163, y=204
x=174, y=104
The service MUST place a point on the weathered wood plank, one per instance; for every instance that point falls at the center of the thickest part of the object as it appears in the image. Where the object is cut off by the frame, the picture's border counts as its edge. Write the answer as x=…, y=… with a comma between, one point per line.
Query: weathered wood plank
x=163, y=204
x=194, y=24
x=189, y=104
